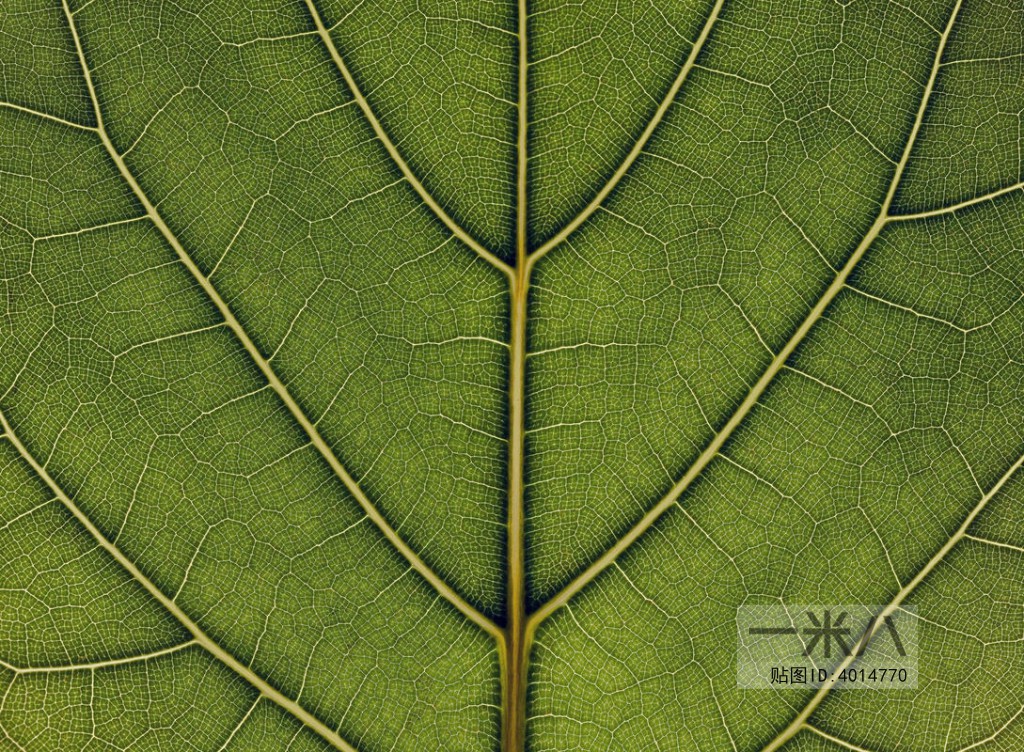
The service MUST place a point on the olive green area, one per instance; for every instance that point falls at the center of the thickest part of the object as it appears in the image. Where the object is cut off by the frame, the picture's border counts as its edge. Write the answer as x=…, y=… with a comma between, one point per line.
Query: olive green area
x=654, y=320
x=598, y=72
x=255, y=404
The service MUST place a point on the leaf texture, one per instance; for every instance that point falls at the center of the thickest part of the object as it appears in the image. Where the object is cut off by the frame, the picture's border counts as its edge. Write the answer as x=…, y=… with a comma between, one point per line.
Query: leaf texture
x=445, y=375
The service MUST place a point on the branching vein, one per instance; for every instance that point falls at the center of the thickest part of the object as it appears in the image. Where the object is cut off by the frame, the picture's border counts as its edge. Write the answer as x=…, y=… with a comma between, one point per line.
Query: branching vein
x=800, y=721
x=754, y=395
x=198, y=635
x=938, y=212
x=142, y=658
x=47, y=116
x=268, y=372
x=378, y=129
x=641, y=142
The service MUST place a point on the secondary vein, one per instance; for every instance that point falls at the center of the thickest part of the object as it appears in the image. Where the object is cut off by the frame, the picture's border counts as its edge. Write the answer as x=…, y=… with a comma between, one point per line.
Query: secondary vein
x=371, y=511
x=800, y=721
x=200, y=637
x=754, y=395
x=392, y=150
x=974, y=201
x=46, y=116
x=94, y=665
x=641, y=142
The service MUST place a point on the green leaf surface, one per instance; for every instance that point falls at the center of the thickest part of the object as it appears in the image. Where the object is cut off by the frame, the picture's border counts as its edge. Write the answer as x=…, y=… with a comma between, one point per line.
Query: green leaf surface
x=443, y=374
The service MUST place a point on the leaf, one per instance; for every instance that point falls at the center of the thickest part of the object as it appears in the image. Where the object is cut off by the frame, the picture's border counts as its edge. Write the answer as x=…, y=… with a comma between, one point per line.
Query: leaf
x=436, y=375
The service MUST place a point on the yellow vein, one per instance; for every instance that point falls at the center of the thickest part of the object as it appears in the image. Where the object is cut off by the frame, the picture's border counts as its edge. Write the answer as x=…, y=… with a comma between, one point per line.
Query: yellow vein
x=754, y=395
x=200, y=637
x=515, y=647
x=641, y=142
x=995, y=734
x=141, y=658
x=47, y=116
x=275, y=383
x=7, y=736
x=238, y=726
x=996, y=544
x=992, y=196
x=801, y=719
x=392, y=150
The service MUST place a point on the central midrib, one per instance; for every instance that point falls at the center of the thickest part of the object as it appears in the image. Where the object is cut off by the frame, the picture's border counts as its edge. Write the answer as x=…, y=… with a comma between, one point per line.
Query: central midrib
x=514, y=647
x=520, y=627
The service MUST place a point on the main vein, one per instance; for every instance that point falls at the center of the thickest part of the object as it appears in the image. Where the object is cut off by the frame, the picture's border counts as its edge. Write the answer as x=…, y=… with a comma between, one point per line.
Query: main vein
x=754, y=395
x=520, y=628
x=515, y=646
x=200, y=637
x=371, y=511
x=392, y=150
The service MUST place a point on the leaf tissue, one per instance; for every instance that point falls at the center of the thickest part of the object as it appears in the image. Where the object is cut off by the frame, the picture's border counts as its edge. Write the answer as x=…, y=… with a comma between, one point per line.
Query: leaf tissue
x=450, y=374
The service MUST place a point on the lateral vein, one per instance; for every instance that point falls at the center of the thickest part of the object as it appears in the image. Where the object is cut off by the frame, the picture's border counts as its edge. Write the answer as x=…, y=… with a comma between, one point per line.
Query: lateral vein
x=199, y=636
x=754, y=395
x=640, y=143
x=47, y=116
x=801, y=719
x=939, y=211
x=392, y=150
x=92, y=666
x=371, y=511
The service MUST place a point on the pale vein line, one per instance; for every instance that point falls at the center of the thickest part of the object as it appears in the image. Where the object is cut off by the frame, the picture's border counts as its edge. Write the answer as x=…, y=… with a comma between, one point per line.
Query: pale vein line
x=26, y=513
x=238, y=726
x=835, y=739
x=91, y=228
x=996, y=544
x=47, y=116
x=801, y=719
x=393, y=151
x=995, y=734
x=992, y=196
x=92, y=666
x=641, y=142
x=9, y=738
x=906, y=309
x=972, y=60
x=198, y=634
x=276, y=384
x=754, y=395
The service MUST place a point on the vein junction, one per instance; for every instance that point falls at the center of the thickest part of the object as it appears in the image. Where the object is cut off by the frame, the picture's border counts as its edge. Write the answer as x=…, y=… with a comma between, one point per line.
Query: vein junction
x=515, y=637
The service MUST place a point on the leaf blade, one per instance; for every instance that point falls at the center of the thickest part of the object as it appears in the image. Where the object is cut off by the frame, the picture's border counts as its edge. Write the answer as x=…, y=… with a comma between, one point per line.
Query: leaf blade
x=435, y=498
